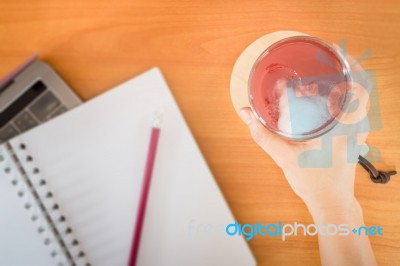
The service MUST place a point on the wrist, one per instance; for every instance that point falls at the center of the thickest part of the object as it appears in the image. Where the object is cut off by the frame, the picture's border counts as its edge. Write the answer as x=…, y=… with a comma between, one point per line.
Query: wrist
x=340, y=211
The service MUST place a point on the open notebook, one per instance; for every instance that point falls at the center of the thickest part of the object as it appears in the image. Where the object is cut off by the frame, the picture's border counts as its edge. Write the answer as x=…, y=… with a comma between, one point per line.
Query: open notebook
x=69, y=189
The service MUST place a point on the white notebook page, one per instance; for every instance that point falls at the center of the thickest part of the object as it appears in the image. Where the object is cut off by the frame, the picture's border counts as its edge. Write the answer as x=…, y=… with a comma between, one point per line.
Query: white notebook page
x=93, y=159
x=20, y=241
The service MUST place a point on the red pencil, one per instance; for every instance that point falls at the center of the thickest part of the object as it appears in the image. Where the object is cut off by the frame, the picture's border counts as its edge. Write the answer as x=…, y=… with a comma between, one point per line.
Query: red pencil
x=144, y=194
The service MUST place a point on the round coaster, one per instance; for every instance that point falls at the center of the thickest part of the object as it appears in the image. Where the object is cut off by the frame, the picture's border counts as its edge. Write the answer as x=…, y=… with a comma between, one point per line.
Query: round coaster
x=244, y=64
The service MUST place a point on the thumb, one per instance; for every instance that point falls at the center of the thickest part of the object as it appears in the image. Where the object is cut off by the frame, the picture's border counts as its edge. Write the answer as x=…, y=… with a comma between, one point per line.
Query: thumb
x=267, y=140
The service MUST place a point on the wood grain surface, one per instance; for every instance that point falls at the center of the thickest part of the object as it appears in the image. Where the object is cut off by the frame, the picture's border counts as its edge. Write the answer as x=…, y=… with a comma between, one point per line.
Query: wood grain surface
x=95, y=45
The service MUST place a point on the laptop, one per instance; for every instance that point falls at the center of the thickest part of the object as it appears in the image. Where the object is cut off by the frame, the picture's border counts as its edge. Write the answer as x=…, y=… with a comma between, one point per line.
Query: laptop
x=34, y=96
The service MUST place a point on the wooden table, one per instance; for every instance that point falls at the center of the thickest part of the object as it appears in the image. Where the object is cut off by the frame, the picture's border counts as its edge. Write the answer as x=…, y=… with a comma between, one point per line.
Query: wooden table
x=95, y=45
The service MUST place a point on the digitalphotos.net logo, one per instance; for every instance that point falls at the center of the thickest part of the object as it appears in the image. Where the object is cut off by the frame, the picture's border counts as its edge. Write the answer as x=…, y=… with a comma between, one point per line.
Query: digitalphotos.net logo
x=283, y=230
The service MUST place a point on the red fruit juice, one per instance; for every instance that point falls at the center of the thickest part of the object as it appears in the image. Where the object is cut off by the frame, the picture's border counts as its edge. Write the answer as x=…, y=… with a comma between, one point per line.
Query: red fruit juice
x=305, y=64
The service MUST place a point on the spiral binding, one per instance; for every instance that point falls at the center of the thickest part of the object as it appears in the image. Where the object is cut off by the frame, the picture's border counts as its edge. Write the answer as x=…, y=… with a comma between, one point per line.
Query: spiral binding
x=39, y=201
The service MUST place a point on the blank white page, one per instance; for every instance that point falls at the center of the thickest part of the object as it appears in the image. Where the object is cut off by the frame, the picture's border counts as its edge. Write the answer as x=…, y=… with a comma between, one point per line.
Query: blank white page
x=93, y=159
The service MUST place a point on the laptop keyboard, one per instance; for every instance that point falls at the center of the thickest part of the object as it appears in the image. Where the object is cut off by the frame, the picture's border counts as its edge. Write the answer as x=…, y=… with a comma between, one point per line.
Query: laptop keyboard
x=44, y=107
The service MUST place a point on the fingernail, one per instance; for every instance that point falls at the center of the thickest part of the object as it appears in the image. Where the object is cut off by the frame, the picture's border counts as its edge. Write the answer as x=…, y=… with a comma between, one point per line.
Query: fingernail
x=246, y=116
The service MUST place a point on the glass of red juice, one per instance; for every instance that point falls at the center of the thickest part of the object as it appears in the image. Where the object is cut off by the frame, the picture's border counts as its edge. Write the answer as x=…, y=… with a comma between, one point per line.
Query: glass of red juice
x=299, y=86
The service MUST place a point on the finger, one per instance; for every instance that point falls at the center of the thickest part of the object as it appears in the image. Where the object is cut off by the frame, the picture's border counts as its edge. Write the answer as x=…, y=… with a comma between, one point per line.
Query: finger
x=267, y=140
